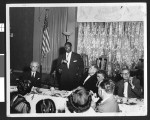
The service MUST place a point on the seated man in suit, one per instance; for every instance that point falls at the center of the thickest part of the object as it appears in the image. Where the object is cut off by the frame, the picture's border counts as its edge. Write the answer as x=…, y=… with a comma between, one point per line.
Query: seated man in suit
x=89, y=79
x=108, y=103
x=33, y=75
x=128, y=86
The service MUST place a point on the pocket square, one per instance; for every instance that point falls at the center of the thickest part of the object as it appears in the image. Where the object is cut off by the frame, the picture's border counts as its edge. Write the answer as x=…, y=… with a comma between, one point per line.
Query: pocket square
x=38, y=78
x=75, y=61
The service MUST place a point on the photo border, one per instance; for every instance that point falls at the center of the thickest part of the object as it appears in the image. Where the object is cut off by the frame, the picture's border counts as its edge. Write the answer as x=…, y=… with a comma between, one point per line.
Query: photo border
x=8, y=6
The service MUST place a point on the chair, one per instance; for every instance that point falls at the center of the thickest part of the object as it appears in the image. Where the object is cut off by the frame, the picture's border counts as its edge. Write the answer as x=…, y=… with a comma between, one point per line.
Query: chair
x=86, y=61
x=102, y=62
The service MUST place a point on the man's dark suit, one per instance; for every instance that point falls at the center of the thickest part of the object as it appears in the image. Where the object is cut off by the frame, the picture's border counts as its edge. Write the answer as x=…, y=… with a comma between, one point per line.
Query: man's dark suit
x=70, y=78
x=35, y=81
x=132, y=93
x=90, y=84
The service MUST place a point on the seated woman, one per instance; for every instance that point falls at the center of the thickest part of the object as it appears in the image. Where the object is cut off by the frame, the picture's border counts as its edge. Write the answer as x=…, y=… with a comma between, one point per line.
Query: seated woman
x=80, y=101
x=101, y=75
x=108, y=103
x=45, y=106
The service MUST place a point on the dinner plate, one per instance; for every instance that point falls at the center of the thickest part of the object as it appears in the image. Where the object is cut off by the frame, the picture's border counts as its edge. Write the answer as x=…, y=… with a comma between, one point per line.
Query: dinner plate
x=131, y=103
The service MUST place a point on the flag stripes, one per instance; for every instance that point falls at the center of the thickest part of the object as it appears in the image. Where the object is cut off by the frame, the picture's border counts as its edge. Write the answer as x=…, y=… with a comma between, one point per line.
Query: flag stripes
x=45, y=38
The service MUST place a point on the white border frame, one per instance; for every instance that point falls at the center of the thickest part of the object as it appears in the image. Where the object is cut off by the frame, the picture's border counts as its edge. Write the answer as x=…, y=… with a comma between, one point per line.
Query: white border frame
x=69, y=5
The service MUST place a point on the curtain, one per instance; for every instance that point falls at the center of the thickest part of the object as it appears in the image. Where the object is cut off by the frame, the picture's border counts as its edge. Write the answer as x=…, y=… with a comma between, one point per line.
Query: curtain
x=57, y=23
x=121, y=42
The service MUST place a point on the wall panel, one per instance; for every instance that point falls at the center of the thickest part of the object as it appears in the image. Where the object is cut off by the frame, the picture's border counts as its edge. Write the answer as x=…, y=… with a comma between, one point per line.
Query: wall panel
x=21, y=43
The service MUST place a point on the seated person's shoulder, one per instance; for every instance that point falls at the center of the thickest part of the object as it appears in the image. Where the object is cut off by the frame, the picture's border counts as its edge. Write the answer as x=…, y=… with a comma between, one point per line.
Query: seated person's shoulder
x=95, y=75
x=136, y=80
x=38, y=73
x=119, y=82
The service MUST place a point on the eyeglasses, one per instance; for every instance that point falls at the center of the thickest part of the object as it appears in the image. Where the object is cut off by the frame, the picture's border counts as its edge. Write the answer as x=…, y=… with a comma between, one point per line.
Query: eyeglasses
x=125, y=73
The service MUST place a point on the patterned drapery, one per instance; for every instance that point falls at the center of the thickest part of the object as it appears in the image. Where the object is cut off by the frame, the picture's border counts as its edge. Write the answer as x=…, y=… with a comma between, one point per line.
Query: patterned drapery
x=121, y=42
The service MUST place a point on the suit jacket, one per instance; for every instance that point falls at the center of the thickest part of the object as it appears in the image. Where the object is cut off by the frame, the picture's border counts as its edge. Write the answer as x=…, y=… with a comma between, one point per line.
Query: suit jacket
x=132, y=93
x=70, y=77
x=90, y=84
x=35, y=81
x=110, y=105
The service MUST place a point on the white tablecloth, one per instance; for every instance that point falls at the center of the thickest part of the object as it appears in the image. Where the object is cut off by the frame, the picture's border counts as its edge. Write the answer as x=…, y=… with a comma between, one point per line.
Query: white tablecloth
x=59, y=97
x=134, y=107
x=33, y=99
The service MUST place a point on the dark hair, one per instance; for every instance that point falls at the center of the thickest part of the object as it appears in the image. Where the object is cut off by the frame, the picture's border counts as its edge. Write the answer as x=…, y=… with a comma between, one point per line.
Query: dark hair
x=24, y=86
x=45, y=106
x=108, y=85
x=79, y=101
x=68, y=43
x=103, y=73
x=95, y=66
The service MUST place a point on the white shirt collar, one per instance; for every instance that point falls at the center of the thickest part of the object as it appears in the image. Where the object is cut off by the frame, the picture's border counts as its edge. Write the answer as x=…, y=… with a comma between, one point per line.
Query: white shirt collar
x=86, y=79
x=33, y=73
x=68, y=53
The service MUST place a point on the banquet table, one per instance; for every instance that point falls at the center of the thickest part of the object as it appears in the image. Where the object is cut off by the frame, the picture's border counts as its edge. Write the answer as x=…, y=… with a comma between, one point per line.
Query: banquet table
x=128, y=107
x=131, y=106
x=59, y=97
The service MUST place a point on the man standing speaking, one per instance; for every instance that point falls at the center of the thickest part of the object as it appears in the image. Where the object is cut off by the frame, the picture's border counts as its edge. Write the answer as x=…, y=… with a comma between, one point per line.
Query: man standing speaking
x=70, y=65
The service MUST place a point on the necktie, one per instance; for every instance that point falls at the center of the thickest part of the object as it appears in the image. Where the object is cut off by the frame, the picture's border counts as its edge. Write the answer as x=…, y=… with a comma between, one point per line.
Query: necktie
x=33, y=74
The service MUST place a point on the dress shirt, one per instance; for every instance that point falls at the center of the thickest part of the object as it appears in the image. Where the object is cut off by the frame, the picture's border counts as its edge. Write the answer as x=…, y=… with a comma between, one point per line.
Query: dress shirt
x=68, y=57
x=125, y=89
x=33, y=74
x=86, y=79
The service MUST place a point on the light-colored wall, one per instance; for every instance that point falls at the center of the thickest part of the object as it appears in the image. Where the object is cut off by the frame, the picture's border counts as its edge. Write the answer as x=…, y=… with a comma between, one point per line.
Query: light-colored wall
x=38, y=25
x=71, y=26
x=38, y=30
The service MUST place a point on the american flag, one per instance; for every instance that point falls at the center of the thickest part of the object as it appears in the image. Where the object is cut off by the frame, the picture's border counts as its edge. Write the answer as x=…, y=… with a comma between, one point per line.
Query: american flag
x=45, y=38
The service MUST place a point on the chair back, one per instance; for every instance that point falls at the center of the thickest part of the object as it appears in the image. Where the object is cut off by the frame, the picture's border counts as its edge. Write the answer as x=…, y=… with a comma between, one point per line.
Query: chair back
x=85, y=60
x=102, y=62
